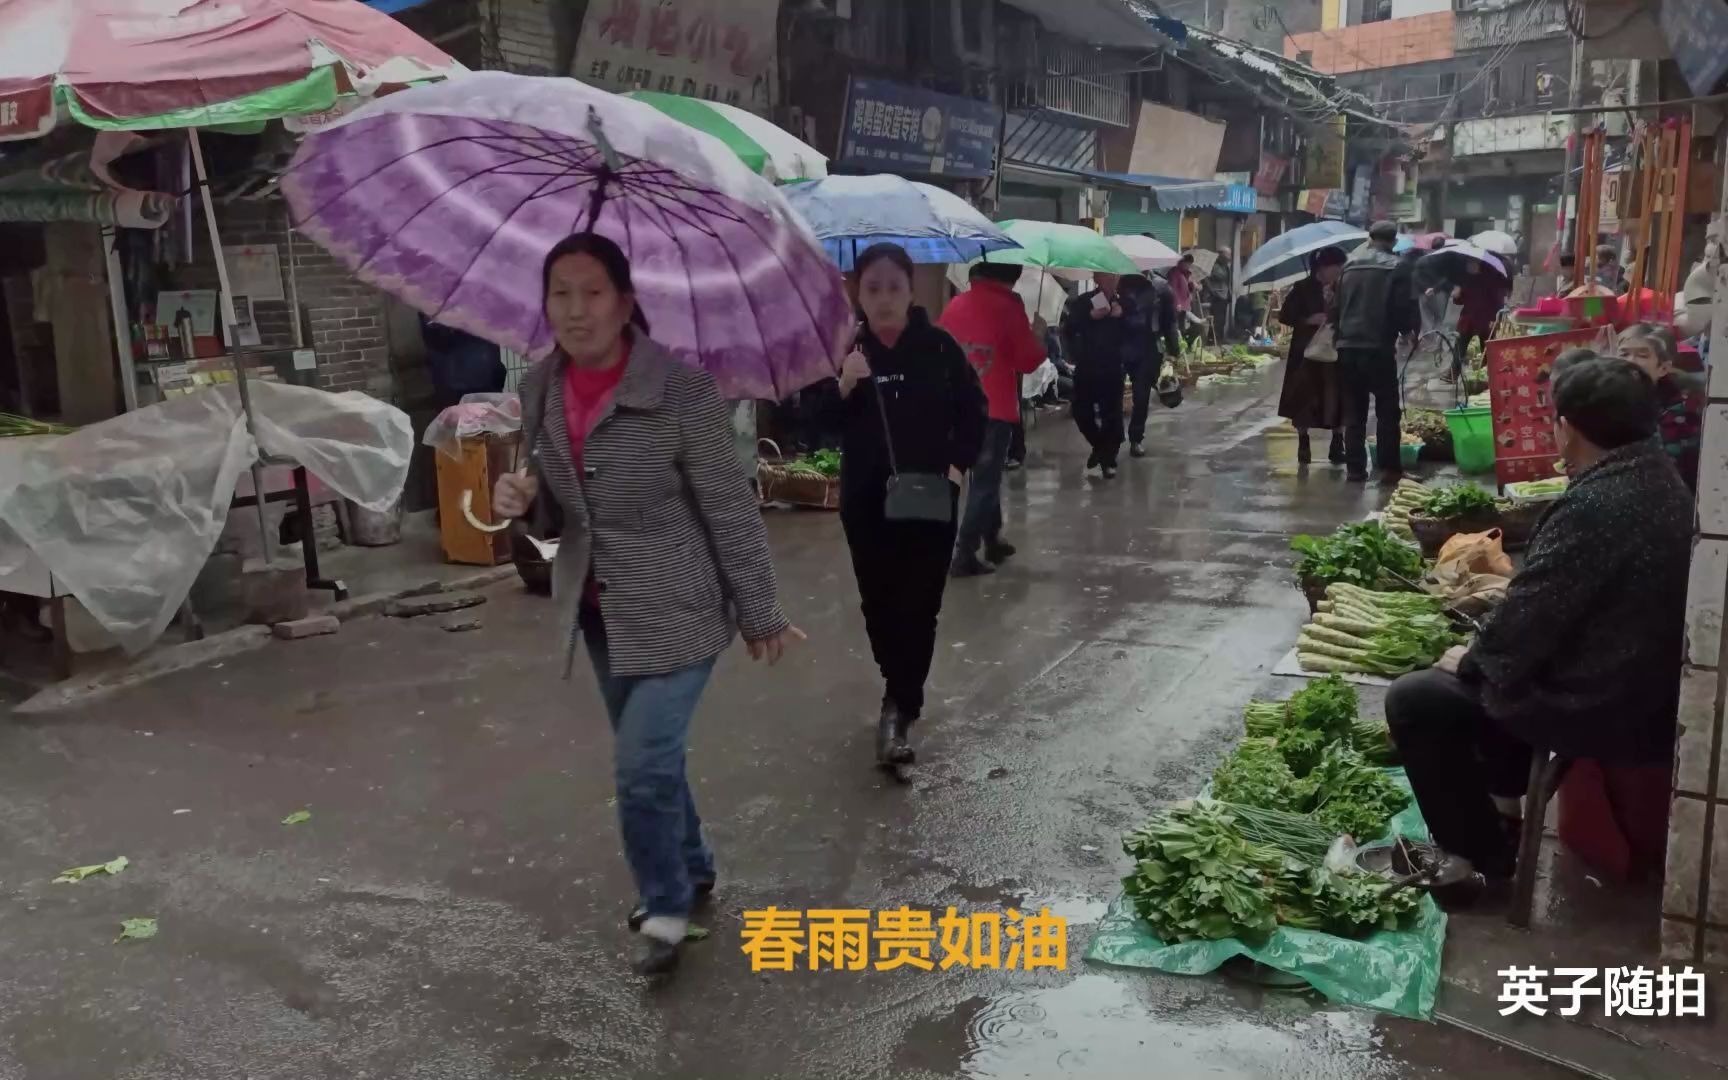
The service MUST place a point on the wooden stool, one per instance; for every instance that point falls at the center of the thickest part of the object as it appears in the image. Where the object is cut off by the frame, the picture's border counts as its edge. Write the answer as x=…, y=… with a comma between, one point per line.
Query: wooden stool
x=1546, y=773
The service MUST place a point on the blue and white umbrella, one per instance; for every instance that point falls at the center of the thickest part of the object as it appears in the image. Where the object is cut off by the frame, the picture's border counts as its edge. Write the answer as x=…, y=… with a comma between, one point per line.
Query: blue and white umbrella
x=849, y=213
x=1284, y=258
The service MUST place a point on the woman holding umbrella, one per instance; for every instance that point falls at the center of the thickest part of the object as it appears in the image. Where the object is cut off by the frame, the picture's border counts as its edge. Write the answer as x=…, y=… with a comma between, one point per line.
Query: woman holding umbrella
x=914, y=414
x=663, y=556
x=1311, y=396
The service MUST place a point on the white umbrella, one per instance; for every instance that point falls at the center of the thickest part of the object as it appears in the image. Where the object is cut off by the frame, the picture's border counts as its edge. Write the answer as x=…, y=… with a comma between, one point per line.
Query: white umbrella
x=1038, y=289
x=1147, y=253
x=1496, y=242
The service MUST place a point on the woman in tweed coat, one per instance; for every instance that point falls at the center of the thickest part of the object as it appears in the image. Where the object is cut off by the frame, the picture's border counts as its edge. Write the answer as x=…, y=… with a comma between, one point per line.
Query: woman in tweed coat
x=662, y=556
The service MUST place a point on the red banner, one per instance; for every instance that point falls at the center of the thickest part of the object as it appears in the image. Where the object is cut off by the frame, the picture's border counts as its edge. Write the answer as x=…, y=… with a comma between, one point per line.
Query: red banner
x=1270, y=174
x=1520, y=381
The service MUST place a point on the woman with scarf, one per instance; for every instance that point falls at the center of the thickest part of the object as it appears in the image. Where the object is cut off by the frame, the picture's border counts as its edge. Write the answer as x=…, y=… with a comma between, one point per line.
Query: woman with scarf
x=662, y=559
x=913, y=413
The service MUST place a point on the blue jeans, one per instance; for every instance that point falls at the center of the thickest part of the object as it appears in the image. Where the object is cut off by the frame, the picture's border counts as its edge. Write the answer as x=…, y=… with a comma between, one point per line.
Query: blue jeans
x=982, y=522
x=650, y=722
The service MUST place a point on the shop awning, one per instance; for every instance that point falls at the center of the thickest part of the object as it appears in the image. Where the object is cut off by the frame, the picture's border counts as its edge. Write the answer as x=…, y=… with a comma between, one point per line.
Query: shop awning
x=1094, y=22
x=1176, y=193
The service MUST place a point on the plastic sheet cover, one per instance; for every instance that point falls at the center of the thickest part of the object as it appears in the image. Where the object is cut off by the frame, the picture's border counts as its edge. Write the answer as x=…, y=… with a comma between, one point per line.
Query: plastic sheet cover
x=474, y=416
x=125, y=513
x=1396, y=971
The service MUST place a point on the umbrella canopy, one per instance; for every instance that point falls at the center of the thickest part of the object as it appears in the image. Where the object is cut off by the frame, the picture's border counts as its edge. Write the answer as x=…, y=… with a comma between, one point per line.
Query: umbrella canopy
x=139, y=64
x=1496, y=242
x=1068, y=247
x=449, y=195
x=1425, y=241
x=770, y=151
x=849, y=213
x=1452, y=262
x=1284, y=258
x=1146, y=252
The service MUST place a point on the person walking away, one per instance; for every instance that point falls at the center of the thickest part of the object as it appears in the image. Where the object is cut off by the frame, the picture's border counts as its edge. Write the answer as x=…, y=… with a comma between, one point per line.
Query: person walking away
x=912, y=405
x=1680, y=422
x=1311, y=397
x=1181, y=281
x=1151, y=313
x=989, y=322
x=1368, y=312
x=1218, y=297
x=1479, y=300
x=1095, y=335
x=663, y=557
x=1582, y=658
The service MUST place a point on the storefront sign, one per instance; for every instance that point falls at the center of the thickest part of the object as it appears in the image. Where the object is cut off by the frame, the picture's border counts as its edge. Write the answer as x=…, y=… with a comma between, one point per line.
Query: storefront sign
x=718, y=50
x=1324, y=202
x=1520, y=384
x=1270, y=175
x=902, y=129
x=1697, y=32
x=1323, y=160
x=1239, y=199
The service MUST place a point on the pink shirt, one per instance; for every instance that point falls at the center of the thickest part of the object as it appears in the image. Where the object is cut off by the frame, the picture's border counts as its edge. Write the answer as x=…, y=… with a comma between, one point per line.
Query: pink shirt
x=587, y=392
x=1182, y=286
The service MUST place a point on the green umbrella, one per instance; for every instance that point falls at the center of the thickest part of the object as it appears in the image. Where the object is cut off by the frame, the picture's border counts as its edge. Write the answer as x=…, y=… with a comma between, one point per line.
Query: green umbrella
x=769, y=151
x=1063, y=247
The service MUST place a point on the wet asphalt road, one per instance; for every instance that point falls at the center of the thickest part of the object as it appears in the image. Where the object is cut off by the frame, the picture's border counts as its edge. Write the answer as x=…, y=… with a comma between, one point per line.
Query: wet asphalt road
x=453, y=909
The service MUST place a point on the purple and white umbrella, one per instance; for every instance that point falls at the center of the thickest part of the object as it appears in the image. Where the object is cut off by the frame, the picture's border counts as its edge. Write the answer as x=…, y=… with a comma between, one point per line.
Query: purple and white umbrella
x=449, y=195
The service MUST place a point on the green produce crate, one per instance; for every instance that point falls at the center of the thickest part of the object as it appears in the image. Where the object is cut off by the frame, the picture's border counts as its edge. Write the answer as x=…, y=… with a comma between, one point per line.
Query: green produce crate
x=1472, y=428
x=1408, y=454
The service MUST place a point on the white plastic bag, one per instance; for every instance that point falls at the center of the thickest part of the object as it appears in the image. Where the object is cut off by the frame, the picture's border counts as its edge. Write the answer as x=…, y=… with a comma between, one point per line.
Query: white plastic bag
x=476, y=415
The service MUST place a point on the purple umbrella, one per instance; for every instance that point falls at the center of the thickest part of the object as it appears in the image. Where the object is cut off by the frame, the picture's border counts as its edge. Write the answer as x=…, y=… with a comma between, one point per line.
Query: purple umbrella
x=449, y=195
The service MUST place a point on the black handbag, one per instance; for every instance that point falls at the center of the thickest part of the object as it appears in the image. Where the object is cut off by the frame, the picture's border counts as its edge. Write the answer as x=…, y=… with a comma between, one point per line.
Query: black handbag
x=912, y=496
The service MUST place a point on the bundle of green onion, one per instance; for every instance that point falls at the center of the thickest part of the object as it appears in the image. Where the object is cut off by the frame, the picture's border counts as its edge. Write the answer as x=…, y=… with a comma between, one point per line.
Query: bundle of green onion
x=1375, y=633
x=12, y=426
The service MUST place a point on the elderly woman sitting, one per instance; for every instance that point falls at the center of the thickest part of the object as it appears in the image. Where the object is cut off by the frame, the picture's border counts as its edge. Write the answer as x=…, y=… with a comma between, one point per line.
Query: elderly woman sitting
x=1583, y=657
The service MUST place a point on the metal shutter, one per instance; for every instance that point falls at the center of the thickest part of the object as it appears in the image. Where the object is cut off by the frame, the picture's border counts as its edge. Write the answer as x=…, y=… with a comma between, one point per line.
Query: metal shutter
x=1163, y=225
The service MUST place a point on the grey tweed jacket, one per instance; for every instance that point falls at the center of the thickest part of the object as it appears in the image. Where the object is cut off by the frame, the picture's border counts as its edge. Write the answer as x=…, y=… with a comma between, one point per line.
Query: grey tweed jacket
x=661, y=512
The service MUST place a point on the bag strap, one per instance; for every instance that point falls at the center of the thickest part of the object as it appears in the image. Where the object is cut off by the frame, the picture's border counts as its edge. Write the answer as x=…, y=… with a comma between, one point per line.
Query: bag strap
x=881, y=409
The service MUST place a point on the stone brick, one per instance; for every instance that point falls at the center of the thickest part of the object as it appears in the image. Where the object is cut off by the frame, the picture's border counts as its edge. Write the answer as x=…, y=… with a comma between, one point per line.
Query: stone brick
x=1719, y=868
x=1713, y=472
x=1679, y=940
x=1695, y=748
x=310, y=626
x=1704, y=602
x=1685, y=857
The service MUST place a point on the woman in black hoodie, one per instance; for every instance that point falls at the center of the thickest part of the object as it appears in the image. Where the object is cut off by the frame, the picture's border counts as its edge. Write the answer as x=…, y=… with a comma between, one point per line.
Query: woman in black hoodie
x=911, y=403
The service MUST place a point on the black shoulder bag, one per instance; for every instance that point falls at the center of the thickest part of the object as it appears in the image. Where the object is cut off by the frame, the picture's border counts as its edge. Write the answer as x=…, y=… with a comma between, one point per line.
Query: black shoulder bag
x=912, y=496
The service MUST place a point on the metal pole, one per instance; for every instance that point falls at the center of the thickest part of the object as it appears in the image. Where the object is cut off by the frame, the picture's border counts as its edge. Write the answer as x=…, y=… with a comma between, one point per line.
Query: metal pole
x=1569, y=188
x=226, y=302
x=122, y=318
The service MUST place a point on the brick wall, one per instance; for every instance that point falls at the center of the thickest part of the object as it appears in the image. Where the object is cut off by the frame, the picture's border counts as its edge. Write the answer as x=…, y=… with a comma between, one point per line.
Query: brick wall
x=518, y=36
x=345, y=318
x=1377, y=44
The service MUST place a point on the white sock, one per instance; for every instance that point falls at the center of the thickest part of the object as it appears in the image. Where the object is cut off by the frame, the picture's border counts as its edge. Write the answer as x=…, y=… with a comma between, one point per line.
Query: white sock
x=667, y=928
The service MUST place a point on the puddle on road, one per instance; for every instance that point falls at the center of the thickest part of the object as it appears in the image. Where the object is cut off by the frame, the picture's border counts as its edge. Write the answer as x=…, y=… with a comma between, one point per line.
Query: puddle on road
x=1099, y=1026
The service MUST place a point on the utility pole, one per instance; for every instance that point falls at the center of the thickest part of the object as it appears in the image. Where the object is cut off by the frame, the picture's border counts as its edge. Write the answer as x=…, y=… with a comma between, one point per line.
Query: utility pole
x=1574, y=145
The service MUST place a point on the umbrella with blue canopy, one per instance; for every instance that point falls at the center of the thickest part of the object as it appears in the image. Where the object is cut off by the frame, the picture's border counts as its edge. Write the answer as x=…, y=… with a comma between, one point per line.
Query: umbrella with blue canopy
x=850, y=213
x=1284, y=258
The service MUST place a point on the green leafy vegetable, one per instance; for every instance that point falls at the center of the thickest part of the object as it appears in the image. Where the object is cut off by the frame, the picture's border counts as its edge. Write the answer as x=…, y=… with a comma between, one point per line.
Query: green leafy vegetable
x=696, y=933
x=823, y=463
x=1363, y=553
x=1377, y=633
x=1256, y=774
x=1300, y=836
x=298, y=817
x=1352, y=796
x=1459, y=500
x=78, y=873
x=1316, y=716
x=136, y=930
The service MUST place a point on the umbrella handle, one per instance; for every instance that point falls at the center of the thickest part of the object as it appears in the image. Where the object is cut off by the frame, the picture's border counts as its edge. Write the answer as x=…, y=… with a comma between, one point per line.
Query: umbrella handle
x=476, y=523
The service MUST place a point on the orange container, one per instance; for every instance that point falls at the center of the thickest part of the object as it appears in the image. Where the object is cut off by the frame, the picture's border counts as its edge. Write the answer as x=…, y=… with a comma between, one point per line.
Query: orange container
x=483, y=460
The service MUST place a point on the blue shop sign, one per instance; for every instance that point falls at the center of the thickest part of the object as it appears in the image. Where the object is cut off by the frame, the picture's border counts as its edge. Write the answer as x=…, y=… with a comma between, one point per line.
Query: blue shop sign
x=1697, y=33
x=902, y=129
x=1240, y=199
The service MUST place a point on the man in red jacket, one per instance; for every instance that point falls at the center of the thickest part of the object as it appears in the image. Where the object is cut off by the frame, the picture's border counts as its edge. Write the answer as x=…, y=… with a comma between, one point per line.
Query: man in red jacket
x=989, y=321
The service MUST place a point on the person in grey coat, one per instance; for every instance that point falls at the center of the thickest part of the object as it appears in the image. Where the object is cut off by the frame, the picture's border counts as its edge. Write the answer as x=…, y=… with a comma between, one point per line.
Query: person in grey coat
x=662, y=557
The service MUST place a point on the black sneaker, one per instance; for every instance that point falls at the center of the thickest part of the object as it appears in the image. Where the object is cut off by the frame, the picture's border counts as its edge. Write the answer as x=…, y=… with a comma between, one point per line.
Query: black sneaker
x=1092, y=461
x=1137, y=450
x=965, y=566
x=1109, y=472
x=999, y=552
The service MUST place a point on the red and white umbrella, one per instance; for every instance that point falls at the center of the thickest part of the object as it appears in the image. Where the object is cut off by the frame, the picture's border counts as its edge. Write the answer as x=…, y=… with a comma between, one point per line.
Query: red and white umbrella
x=154, y=64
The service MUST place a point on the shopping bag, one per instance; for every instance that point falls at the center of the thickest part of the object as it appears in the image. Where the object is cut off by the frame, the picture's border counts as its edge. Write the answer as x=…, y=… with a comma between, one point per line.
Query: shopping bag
x=1322, y=346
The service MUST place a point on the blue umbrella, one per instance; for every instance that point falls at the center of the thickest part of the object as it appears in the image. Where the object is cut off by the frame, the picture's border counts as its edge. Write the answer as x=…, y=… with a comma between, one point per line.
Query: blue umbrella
x=1284, y=258
x=849, y=213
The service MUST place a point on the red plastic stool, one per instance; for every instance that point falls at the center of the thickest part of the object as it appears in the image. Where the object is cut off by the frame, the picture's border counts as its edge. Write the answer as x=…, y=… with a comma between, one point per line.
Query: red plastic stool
x=1615, y=818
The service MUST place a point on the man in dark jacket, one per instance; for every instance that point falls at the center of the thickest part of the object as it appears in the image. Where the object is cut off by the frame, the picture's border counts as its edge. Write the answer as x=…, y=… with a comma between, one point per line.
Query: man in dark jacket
x=1150, y=307
x=1096, y=336
x=1372, y=305
x=1583, y=656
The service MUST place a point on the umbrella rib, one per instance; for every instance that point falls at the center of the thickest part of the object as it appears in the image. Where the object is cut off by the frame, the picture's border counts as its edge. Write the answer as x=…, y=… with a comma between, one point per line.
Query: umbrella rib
x=665, y=196
x=815, y=320
x=503, y=220
x=695, y=308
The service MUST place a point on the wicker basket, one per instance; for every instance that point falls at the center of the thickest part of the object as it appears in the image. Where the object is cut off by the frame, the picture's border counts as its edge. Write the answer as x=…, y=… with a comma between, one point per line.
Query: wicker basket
x=1432, y=533
x=1519, y=524
x=1315, y=591
x=776, y=483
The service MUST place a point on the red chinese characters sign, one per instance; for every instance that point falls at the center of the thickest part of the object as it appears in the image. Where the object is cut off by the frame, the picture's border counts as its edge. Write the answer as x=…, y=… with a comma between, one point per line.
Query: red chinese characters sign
x=1520, y=382
x=719, y=50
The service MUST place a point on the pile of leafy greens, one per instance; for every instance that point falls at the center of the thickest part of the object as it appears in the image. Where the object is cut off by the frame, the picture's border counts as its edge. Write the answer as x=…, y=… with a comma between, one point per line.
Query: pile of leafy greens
x=1459, y=500
x=823, y=463
x=1256, y=774
x=1196, y=878
x=1363, y=553
x=1351, y=796
x=1322, y=713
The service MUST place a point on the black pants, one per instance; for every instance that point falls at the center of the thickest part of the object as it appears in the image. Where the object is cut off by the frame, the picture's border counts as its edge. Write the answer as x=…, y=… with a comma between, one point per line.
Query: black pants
x=1017, y=443
x=982, y=520
x=1098, y=408
x=1457, y=757
x=1144, y=376
x=1370, y=373
x=902, y=569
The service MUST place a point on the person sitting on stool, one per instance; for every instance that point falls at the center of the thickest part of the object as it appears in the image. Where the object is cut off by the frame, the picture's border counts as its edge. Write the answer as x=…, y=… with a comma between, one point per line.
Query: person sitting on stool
x=1583, y=656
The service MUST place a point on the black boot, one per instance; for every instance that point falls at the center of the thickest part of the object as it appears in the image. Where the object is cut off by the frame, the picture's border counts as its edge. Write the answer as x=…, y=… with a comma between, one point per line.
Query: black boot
x=1336, y=454
x=891, y=747
x=999, y=551
x=1304, y=449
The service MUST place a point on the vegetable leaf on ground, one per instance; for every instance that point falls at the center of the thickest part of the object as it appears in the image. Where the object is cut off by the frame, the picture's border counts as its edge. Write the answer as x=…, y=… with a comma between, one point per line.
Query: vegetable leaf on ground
x=136, y=930
x=298, y=817
x=75, y=874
